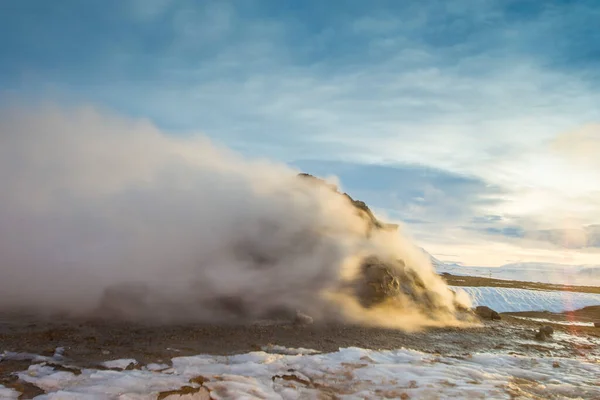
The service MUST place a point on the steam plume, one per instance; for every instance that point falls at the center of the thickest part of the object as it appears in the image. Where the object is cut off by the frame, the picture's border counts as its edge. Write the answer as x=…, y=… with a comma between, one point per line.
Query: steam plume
x=100, y=212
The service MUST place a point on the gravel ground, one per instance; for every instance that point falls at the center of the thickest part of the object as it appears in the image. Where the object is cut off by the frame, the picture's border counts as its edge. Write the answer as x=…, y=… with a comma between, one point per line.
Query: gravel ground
x=90, y=342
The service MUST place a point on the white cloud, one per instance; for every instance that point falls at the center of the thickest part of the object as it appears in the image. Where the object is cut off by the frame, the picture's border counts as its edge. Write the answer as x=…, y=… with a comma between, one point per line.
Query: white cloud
x=580, y=146
x=472, y=248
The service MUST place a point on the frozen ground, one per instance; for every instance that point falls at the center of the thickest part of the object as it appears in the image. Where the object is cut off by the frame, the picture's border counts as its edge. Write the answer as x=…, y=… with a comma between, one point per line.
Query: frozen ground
x=546, y=321
x=513, y=300
x=499, y=360
x=352, y=373
x=6, y=393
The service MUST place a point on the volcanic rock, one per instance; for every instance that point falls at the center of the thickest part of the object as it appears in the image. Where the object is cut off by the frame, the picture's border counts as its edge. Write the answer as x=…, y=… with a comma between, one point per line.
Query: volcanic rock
x=485, y=312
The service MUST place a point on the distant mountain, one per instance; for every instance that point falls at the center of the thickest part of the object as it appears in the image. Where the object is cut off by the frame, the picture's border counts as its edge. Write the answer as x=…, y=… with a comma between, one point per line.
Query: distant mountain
x=434, y=261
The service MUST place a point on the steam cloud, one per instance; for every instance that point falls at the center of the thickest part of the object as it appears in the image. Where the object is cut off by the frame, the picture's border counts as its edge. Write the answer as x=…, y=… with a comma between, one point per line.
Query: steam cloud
x=100, y=212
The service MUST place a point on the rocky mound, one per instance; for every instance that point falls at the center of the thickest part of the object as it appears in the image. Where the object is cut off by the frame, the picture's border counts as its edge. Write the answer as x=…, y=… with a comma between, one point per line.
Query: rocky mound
x=382, y=280
x=361, y=207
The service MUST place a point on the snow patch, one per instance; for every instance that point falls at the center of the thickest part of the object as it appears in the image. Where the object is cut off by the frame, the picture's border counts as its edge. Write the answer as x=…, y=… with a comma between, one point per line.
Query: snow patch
x=157, y=367
x=512, y=300
x=568, y=323
x=120, y=364
x=6, y=393
x=348, y=373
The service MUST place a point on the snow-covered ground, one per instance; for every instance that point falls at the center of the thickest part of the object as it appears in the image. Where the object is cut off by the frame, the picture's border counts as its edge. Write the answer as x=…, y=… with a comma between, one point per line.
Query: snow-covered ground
x=567, y=323
x=510, y=300
x=6, y=393
x=351, y=373
x=578, y=275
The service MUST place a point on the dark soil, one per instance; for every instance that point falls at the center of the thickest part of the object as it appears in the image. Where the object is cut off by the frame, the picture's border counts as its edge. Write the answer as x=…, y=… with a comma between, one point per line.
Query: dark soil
x=457, y=280
x=89, y=343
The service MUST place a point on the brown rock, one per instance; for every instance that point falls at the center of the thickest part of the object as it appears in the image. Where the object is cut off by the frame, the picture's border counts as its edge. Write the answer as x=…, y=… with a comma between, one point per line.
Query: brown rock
x=485, y=312
x=544, y=333
x=361, y=207
x=197, y=393
x=547, y=330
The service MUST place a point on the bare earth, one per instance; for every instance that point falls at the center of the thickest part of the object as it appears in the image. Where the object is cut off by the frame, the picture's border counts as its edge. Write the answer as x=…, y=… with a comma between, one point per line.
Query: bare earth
x=88, y=343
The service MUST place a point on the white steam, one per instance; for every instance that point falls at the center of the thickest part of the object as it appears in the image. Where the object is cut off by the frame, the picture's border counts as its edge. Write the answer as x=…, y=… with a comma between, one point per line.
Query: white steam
x=94, y=205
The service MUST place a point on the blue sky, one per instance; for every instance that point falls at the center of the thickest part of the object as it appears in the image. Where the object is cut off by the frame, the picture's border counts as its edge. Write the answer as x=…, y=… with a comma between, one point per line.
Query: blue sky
x=476, y=122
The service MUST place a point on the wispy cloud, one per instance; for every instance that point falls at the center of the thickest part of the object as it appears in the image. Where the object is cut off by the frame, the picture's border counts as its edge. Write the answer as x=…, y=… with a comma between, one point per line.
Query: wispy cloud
x=575, y=237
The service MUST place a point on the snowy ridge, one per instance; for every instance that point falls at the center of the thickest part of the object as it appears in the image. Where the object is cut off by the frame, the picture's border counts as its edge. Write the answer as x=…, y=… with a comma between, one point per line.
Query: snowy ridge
x=511, y=300
x=561, y=274
x=350, y=373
